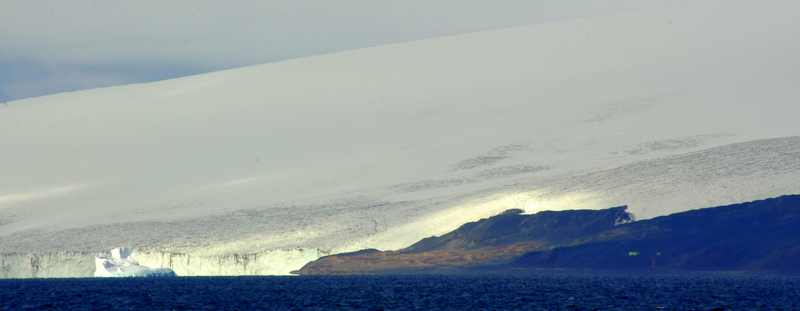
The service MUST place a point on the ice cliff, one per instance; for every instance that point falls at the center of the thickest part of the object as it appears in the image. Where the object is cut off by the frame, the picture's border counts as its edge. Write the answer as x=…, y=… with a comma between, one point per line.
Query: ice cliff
x=46, y=265
x=80, y=264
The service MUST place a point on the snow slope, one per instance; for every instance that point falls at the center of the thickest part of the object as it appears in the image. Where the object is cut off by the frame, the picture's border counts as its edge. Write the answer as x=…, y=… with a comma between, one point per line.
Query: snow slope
x=664, y=111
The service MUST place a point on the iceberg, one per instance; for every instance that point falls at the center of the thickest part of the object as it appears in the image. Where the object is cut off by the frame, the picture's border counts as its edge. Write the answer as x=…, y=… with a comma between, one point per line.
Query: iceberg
x=122, y=262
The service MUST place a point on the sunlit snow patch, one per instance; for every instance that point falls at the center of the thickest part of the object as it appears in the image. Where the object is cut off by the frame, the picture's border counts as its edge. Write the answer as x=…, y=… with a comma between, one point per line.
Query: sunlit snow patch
x=123, y=263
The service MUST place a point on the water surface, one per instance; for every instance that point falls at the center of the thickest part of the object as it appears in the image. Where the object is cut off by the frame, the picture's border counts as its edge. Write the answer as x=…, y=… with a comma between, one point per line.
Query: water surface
x=413, y=292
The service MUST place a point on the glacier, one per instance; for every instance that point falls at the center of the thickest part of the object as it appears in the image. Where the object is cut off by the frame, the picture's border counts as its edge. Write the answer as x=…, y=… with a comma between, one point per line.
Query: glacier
x=259, y=170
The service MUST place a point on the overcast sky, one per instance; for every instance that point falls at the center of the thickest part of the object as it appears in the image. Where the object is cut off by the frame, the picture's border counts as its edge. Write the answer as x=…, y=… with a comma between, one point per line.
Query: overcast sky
x=49, y=47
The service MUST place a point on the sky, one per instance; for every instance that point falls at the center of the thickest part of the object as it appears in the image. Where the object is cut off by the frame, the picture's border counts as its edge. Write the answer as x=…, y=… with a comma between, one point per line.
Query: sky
x=49, y=47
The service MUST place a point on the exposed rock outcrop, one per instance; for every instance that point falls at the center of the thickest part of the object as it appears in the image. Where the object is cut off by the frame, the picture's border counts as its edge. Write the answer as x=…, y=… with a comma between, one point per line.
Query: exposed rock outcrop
x=759, y=236
x=492, y=241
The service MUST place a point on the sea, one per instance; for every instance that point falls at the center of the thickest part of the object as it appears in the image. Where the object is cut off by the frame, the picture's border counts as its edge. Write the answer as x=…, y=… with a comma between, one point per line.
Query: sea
x=407, y=292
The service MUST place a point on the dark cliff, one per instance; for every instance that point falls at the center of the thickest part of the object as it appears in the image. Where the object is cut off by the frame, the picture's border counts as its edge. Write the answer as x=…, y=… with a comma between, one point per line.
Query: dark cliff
x=547, y=227
x=755, y=236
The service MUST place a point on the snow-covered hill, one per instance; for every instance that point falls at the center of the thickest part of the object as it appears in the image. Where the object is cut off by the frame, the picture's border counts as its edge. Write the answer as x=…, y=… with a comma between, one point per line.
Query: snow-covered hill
x=664, y=111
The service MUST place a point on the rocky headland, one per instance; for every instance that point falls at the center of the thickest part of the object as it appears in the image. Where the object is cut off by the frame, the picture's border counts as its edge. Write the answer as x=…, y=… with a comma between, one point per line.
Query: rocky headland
x=754, y=237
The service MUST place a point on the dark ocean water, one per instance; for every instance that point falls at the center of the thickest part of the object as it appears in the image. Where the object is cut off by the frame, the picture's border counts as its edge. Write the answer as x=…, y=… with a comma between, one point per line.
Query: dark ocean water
x=415, y=292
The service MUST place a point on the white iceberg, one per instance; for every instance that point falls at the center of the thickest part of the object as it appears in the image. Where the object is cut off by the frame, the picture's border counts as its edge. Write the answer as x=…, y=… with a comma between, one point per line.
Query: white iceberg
x=123, y=263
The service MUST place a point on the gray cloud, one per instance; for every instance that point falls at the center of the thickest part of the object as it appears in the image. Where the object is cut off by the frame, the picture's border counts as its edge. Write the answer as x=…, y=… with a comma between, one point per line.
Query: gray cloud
x=71, y=39
x=28, y=78
x=4, y=97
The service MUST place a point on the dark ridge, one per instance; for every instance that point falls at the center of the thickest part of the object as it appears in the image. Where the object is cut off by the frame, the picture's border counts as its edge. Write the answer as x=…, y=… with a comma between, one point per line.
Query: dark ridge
x=754, y=237
x=761, y=235
x=547, y=227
